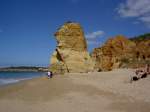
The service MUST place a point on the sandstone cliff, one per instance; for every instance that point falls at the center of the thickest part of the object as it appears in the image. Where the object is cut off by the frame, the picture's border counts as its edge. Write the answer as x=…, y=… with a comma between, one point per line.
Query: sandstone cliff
x=71, y=51
x=142, y=46
x=121, y=52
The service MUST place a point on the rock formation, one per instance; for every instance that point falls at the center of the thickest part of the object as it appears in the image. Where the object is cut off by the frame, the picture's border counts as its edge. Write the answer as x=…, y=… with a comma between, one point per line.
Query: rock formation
x=121, y=52
x=71, y=51
x=142, y=47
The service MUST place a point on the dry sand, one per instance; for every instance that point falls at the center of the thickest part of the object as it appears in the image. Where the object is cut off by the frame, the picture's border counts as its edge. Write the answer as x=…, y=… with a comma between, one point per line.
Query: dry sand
x=86, y=92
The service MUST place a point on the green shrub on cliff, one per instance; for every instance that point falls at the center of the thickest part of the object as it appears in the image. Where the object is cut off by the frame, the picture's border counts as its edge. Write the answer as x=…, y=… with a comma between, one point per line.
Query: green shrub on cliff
x=141, y=37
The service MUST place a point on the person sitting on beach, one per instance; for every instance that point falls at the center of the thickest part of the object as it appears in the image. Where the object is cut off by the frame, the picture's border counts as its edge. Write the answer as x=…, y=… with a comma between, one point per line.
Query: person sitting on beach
x=141, y=73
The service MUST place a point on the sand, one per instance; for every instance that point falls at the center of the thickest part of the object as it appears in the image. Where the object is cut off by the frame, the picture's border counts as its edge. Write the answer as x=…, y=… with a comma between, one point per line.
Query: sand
x=78, y=92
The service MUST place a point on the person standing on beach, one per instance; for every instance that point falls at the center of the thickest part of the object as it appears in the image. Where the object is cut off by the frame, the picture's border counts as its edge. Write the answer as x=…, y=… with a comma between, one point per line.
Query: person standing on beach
x=49, y=74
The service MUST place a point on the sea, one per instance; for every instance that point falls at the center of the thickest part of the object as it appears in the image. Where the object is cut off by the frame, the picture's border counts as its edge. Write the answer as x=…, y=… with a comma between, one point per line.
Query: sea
x=15, y=77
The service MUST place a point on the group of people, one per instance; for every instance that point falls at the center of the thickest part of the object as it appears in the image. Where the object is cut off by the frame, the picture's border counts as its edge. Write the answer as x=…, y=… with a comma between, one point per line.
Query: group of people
x=141, y=73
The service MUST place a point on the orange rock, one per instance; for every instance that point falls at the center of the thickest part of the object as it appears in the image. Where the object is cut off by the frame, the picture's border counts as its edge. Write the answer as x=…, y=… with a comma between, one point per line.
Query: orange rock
x=109, y=56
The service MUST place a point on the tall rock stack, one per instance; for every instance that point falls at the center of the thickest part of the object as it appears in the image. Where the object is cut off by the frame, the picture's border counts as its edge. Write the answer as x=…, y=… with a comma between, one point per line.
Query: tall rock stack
x=71, y=53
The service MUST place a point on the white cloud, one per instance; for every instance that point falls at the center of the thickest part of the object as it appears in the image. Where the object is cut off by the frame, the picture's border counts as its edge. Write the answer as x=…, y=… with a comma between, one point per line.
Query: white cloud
x=92, y=42
x=145, y=18
x=139, y=9
x=92, y=37
x=95, y=34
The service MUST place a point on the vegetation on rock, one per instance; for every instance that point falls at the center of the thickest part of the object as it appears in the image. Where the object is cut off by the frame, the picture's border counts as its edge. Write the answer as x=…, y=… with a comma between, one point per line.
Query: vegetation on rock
x=141, y=37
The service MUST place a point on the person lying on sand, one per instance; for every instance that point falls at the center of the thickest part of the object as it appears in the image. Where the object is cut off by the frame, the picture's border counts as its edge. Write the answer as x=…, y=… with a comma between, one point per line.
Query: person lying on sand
x=141, y=73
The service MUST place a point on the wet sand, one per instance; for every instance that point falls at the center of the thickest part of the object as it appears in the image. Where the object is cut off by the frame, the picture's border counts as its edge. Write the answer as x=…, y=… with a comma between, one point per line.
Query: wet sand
x=78, y=92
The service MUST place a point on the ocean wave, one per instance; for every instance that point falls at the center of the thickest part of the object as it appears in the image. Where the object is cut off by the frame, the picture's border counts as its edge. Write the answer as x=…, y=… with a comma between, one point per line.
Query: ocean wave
x=10, y=81
x=15, y=77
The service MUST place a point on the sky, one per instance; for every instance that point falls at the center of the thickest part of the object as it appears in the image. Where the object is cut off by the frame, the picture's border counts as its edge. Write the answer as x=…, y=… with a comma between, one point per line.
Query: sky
x=27, y=27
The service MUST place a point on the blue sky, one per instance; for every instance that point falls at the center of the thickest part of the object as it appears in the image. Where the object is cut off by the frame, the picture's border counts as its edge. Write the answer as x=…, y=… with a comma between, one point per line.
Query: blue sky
x=27, y=26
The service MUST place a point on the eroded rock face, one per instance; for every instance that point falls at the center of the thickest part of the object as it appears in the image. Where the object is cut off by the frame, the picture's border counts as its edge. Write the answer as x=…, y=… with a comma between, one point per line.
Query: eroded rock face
x=143, y=50
x=111, y=54
x=71, y=51
x=121, y=52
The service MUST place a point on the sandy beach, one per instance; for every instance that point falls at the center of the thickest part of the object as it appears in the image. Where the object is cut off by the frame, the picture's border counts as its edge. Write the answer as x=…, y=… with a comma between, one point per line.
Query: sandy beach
x=78, y=92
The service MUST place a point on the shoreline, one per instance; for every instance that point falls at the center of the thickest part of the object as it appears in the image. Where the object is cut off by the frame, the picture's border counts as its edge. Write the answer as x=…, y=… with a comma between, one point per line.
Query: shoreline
x=11, y=80
x=24, y=81
x=84, y=92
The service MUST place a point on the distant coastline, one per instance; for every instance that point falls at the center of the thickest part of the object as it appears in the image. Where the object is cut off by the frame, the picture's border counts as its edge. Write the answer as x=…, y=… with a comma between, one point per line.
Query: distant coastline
x=24, y=69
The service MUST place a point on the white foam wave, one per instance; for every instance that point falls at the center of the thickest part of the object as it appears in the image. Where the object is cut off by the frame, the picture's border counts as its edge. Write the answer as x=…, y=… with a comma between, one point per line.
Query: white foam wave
x=9, y=81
